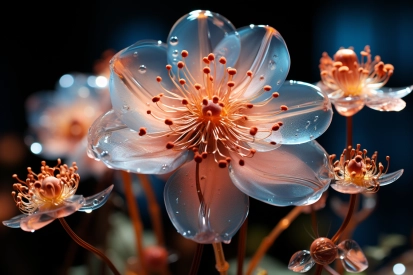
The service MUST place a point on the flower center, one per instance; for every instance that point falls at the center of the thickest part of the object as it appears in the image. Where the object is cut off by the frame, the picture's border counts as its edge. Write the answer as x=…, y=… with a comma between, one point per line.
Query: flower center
x=215, y=118
x=349, y=76
x=45, y=190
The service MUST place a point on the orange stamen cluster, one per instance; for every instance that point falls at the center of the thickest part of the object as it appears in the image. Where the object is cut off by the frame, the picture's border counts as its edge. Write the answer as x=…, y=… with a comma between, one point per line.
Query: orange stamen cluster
x=213, y=117
x=359, y=169
x=45, y=190
x=345, y=73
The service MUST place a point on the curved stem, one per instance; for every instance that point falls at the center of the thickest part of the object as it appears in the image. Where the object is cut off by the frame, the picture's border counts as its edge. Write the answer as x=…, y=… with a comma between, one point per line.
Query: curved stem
x=269, y=240
x=349, y=141
x=136, y=218
x=197, y=259
x=353, y=200
x=154, y=208
x=318, y=269
x=88, y=246
x=222, y=266
x=242, y=239
x=330, y=270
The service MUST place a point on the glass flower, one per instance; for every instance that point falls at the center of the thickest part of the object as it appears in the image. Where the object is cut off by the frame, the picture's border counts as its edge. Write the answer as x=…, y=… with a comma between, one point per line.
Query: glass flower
x=50, y=195
x=323, y=252
x=360, y=173
x=59, y=119
x=351, y=84
x=212, y=105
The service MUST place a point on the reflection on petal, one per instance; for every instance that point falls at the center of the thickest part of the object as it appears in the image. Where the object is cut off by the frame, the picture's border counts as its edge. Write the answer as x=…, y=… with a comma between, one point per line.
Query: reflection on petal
x=391, y=177
x=15, y=221
x=301, y=261
x=96, y=201
x=392, y=92
x=347, y=188
x=289, y=175
x=122, y=148
x=352, y=257
x=223, y=211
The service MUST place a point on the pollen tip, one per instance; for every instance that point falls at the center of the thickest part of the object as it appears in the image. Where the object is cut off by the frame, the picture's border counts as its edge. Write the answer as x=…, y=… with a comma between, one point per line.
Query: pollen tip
x=222, y=60
x=241, y=162
x=198, y=158
x=283, y=108
x=142, y=131
x=222, y=163
x=184, y=53
x=170, y=145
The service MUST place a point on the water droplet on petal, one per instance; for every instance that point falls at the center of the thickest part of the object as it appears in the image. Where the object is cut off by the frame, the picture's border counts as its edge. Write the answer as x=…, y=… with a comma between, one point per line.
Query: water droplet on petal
x=315, y=118
x=173, y=41
x=142, y=69
x=104, y=154
x=126, y=107
x=307, y=124
x=175, y=53
x=177, y=200
x=135, y=54
x=272, y=65
x=278, y=82
x=95, y=202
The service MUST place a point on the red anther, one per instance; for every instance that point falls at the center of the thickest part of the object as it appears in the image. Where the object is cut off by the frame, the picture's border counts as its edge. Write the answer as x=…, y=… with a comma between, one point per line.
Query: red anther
x=204, y=155
x=253, y=151
x=275, y=94
x=222, y=163
x=142, y=131
x=283, y=108
x=222, y=60
x=221, y=104
x=211, y=78
x=148, y=112
x=231, y=71
x=180, y=64
x=231, y=84
x=182, y=81
x=194, y=149
x=261, y=77
x=205, y=59
x=184, y=53
x=168, y=67
x=249, y=105
x=184, y=101
x=215, y=99
x=249, y=73
x=170, y=145
x=158, y=78
x=275, y=127
x=267, y=88
x=205, y=102
x=241, y=162
x=197, y=86
x=206, y=70
x=156, y=99
x=211, y=56
x=228, y=159
x=253, y=131
x=168, y=122
x=273, y=143
x=280, y=123
x=198, y=158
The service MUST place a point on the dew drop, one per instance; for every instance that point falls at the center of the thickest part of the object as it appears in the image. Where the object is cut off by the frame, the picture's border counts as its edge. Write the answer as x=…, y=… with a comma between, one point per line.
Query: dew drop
x=32, y=231
x=308, y=124
x=104, y=154
x=275, y=56
x=311, y=136
x=177, y=200
x=315, y=118
x=315, y=127
x=95, y=202
x=261, y=77
x=142, y=69
x=135, y=54
x=163, y=166
x=278, y=82
x=272, y=65
x=126, y=107
x=175, y=53
x=173, y=41
x=177, y=212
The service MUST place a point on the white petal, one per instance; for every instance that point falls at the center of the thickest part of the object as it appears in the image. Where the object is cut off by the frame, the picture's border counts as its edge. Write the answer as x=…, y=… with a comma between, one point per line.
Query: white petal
x=390, y=177
x=119, y=147
x=290, y=175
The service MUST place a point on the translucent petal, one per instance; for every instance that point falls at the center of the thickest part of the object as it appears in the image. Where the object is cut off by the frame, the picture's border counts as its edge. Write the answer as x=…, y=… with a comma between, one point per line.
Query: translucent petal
x=96, y=201
x=301, y=261
x=197, y=32
x=386, y=104
x=308, y=116
x=224, y=210
x=42, y=218
x=290, y=175
x=390, y=177
x=133, y=84
x=386, y=92
x=348, y=106
x=264, y=52
x=119, y=147
x=346, y=188
x=352, y=257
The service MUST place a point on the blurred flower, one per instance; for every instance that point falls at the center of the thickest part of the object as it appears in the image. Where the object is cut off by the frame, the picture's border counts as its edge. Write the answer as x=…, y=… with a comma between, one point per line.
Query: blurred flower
x=360, y=173
x=59, y=119
x=351, y=84
x=209, y=96
x=50, y=195
x=323, y=252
